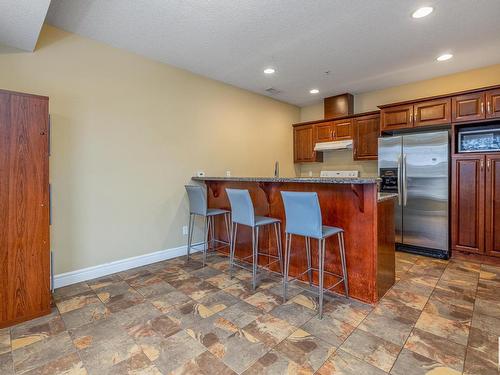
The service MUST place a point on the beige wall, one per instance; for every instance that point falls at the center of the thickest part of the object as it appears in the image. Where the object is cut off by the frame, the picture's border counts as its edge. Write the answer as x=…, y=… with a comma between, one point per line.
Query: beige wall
x=127, y=134
x=369, y=101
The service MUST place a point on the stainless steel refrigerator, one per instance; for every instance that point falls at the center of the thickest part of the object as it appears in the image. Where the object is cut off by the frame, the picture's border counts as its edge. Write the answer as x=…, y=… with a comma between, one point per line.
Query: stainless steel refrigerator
x=416, y=166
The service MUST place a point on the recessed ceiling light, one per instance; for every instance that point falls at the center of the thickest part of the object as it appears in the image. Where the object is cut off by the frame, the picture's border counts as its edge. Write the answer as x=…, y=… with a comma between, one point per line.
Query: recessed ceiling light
x=444, y=57
x=422, y=12
x=269, y=71
x=314, y=91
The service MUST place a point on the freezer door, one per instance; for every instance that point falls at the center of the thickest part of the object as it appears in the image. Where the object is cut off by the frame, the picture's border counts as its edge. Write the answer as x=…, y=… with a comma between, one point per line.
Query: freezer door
x=425, y=175
x=390, y=156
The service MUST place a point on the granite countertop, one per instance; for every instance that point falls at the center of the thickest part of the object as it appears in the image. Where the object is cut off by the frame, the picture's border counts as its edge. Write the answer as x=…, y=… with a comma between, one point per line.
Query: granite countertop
x=311, y=180
x=386, y=196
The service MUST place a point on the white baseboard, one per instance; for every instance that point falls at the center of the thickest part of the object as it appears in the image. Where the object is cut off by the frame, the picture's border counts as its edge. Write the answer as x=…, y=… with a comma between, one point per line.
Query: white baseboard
x=90, y=273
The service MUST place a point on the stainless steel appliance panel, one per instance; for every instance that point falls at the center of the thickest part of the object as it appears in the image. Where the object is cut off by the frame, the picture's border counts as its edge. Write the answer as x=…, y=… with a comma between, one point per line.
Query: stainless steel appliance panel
x=390, y=156
x=425, y=171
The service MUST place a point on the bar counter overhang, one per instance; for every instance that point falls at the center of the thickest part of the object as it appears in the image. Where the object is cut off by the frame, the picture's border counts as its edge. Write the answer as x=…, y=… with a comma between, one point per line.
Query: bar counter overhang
x=353, y=204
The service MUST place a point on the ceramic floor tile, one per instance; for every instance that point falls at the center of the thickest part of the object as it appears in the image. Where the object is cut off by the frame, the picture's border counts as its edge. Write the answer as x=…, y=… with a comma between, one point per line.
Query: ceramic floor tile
x=305, y=349
x=104, y=281
x=123, y=301
x=6, y=364
x=166, y=302
x=489, y=272
x=410, y=363
x=269, y=329
x=241, y=314
x=239, y=351
x=477, y=363
x=222, y=280
x=85, y=315
x=437, y=348
x=168, y=354
x=77, y=302
x=189, y=313
x=36, y=330
x=487, y=307
x=137, y=364
x=211, y=331
x=372, y=349
x=219, y=301
x=264, y=300
x=70, y=291
x=70, y=364
x=240, y=289
x=204, y=364
x=274, y=362
x=5, y=340
x=42, y=352
x=293, y=313
x=342, y=363
x=329, y=329
x=206, y=273
x=347, y=310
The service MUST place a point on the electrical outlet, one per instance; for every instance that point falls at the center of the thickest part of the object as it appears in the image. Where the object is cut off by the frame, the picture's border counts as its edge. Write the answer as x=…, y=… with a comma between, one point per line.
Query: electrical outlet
x=185, y=230
x=310, y=174
x=228, y=173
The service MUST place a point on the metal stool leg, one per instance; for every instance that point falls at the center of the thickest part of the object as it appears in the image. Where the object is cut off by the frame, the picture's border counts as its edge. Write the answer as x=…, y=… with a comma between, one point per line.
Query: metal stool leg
x=321, y=256
x=205, y=244
x=255, y=257
x=277, y=229
x=226, y=223
x=288, y=247
x=309, y=264
x=212, y=231
x=234, y=229
x=190, y=235
x=343, y=261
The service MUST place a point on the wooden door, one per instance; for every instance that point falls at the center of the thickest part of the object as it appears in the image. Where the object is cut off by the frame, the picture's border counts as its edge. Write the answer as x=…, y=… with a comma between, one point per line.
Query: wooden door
x=323, y=132
x=433, y=112
x=492, y=205
x=493, y=104
x=468, y=107
x=303, y=145
x=394, y=118
x=366, y=133
x=468, y=177
x=24, y=208
x=342, y=129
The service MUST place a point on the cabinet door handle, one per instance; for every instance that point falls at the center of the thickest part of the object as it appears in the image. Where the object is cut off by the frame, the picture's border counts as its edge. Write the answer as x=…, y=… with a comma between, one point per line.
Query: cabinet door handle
x=482, y=165
x=482, y=108
x=411, y=117
x=489, y=107
x=488, y=164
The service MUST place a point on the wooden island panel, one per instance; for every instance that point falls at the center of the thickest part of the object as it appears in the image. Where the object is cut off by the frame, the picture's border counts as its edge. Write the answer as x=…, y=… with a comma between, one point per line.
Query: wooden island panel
x=368, y=226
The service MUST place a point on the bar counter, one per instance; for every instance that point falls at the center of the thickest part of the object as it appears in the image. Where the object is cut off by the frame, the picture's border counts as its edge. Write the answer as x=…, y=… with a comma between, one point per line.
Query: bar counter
x=353, y=204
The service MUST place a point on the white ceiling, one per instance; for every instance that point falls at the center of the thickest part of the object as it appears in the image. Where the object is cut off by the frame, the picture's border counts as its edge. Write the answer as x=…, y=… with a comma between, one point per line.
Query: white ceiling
x=21, y=21
x=365, y=44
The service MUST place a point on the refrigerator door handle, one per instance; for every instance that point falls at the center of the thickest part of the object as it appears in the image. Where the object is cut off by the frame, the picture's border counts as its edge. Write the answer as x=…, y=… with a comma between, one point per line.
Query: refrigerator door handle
x=399, y=180
x=405, y=182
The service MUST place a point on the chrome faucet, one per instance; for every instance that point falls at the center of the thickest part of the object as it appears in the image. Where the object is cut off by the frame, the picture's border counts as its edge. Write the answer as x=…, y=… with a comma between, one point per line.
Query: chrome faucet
x=276, y=169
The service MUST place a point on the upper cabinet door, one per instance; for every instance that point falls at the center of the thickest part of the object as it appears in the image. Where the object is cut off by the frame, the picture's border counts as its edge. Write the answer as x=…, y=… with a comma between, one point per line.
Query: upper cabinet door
x=399, y=117
x=303, y=145
x=493, y=205
x=323, y=132
x=342, y=129
x=493, y=103
x=433, y=112
x=366, y=133
x=468, y=107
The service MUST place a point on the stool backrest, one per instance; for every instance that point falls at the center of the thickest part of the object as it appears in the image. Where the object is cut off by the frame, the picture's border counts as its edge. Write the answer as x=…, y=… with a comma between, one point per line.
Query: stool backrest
x=303, y=214
x=197, y=200
x=242, y=211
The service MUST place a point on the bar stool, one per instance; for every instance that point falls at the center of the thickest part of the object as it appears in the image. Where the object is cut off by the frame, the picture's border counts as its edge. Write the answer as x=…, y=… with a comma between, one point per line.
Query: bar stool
x=198, y=207
x=242, y=212
x=303, y=218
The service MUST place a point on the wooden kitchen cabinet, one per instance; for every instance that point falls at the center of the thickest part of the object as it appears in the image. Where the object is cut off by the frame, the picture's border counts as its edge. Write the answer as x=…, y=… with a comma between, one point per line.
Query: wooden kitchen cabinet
x=303, y=145
x=323, y=132
x=398, y=117
x=469, y=107
x=493, y=103
x=492, y=205
x=24, y=208
x=432, y=112
x=366, y=131
x=468, y=179
x=342, y=129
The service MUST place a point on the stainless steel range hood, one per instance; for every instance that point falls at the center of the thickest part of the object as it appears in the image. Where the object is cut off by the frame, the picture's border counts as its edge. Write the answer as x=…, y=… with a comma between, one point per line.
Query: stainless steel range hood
x=335, y=145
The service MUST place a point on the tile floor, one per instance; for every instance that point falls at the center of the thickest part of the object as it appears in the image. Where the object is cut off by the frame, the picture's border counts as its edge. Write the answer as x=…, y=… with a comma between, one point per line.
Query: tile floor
x=172, y=318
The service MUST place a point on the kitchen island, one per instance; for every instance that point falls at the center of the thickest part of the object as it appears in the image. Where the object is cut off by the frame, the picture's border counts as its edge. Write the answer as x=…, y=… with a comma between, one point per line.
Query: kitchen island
x=353, y=204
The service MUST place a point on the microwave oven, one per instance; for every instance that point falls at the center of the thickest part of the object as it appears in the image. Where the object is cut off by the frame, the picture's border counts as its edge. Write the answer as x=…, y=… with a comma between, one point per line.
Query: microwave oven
x=481, y=140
